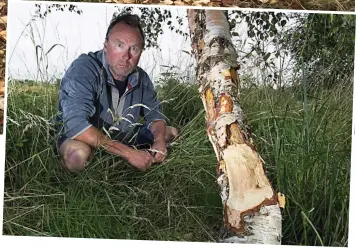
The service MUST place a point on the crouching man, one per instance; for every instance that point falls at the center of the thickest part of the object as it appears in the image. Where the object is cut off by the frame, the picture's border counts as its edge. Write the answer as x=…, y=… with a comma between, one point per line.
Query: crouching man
x=102, y=96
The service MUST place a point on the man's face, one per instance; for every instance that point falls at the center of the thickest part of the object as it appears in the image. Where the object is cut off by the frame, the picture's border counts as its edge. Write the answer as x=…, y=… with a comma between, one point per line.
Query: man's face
x=123, y=50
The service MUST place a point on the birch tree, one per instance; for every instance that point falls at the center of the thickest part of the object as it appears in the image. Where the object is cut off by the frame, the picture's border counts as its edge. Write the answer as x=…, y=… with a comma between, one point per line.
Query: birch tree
x=251, y=208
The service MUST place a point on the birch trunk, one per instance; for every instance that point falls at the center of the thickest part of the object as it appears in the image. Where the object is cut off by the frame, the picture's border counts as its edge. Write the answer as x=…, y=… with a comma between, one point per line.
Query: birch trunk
x=251, y=210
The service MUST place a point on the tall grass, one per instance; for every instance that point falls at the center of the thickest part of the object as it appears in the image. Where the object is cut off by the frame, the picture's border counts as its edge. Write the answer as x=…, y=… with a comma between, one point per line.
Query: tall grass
x=306, y=147
x=305, y=143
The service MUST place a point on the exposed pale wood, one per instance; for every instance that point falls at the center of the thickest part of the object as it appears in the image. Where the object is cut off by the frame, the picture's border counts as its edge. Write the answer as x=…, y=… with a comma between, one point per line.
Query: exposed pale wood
x=166, y=2
x=3, y=20
x=179, y=3
x=2, y=87
x=1, y=103
x=3, y=34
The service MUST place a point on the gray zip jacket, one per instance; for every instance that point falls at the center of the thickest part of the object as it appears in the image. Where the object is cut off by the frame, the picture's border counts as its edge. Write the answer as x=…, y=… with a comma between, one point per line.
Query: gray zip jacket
x=88, y=97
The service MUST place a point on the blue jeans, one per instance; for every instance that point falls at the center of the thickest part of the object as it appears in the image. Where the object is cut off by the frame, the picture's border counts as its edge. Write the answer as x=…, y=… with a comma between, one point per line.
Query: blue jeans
x=143, y=138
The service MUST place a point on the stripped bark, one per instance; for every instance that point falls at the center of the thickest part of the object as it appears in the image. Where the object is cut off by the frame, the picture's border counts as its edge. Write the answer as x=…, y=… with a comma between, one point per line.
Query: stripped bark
x=251, y=209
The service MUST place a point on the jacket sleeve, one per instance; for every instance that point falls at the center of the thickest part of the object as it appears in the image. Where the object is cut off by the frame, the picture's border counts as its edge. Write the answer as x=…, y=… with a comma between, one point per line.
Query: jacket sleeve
x=77, y=96
x=153, y=109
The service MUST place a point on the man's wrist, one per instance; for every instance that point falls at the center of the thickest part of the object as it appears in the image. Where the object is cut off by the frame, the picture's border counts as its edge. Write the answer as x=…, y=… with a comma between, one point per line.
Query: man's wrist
x=118, y=148
x=158, y=128
x=159, y=139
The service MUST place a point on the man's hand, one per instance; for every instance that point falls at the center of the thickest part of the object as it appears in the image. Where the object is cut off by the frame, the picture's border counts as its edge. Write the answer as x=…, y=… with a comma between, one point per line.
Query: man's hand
x=142, y=160
x=159, y=150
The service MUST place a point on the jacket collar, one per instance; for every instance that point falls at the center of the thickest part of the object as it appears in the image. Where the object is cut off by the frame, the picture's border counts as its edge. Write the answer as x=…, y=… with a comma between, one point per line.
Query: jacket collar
x=133, y=78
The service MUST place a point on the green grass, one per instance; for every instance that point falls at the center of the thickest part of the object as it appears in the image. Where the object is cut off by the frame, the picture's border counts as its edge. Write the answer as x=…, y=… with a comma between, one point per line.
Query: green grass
x=305, y=143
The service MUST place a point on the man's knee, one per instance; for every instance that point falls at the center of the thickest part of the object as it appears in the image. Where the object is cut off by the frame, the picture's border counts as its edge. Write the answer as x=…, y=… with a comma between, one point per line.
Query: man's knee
x=170, y=134
x=74, y=155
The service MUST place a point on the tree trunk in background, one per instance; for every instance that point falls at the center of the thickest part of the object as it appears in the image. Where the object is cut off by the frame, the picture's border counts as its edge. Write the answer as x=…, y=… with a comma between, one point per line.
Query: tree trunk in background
x=252, y=213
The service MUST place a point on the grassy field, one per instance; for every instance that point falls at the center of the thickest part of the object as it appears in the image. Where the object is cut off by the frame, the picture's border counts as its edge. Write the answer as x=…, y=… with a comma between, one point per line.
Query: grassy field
x=305, y=142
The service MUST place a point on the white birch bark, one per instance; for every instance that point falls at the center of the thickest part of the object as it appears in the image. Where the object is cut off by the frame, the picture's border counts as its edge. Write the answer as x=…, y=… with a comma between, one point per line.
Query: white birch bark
x=251, y=210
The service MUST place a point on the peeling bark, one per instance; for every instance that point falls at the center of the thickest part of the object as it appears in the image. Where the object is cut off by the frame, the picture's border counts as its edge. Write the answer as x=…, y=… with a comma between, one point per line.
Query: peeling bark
x=251, y=209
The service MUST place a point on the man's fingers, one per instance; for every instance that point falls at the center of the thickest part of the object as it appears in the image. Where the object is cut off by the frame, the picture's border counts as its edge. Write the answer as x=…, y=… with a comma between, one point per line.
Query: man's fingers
x=148, y=161
x=159, y=157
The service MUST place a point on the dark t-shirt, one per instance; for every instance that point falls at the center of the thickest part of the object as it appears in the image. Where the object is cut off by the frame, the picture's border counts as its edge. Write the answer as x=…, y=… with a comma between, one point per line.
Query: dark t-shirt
x=121, y=86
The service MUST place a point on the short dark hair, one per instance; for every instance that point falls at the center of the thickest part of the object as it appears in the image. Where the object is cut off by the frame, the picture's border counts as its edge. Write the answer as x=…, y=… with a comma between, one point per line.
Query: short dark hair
x=129, y=19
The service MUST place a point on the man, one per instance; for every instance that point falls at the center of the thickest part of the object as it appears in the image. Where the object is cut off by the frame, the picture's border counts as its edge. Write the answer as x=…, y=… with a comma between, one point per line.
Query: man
x=105, y=93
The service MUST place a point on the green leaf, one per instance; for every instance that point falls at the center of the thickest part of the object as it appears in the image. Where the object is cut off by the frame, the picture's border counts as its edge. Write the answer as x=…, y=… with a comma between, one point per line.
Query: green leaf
x=19, y=144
